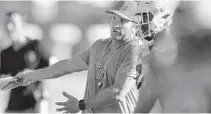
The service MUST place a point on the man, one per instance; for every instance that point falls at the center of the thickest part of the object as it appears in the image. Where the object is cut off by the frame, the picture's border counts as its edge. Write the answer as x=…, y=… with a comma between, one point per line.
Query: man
x=179, y=74
x=21, y=55
x=111, y=64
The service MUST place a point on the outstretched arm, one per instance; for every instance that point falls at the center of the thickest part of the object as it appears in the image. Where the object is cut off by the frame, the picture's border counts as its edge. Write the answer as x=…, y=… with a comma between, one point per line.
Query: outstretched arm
x=77, y=63
x=74, y=64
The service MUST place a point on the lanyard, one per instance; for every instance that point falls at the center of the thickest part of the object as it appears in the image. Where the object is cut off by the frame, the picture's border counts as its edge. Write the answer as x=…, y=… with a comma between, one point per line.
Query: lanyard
x=101, y=65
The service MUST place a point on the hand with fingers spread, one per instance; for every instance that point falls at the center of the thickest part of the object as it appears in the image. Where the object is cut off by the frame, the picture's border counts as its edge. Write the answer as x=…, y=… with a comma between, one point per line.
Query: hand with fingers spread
x=69, y=106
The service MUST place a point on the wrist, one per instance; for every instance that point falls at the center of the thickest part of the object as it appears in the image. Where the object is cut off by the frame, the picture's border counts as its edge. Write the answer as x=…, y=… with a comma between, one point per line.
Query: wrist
x=82, y=105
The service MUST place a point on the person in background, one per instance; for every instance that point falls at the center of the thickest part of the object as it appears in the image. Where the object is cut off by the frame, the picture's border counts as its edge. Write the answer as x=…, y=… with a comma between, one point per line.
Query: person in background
x=23, y=53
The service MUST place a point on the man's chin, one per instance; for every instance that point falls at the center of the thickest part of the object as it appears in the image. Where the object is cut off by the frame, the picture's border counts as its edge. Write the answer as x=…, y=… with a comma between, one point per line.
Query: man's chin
x=118, y=38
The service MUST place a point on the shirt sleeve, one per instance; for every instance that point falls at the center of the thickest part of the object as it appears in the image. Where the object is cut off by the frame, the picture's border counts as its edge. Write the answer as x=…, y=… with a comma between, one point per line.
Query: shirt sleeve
x=85, y=55
x=129, y=63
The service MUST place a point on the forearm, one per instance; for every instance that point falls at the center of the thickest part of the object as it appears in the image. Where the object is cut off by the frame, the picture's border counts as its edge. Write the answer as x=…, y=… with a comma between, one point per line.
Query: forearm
x=61, y=68
x=103, y=98
x=110, y=95
x=53, y=71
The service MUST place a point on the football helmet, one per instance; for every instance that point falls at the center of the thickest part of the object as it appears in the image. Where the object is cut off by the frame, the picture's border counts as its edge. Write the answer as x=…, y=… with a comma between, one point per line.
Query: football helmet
x=152, y=17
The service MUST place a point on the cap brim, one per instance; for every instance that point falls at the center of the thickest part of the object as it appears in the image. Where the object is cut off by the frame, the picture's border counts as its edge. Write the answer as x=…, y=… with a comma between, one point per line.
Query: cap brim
x=118, y=13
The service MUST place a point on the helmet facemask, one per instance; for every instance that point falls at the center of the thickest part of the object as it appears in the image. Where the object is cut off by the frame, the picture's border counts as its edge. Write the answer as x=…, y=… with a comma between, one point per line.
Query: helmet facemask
x=144, y=25
x=150, y=24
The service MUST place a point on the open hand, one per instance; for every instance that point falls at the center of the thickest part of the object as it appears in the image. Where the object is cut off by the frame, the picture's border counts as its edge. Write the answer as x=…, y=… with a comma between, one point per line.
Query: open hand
x=69, y=106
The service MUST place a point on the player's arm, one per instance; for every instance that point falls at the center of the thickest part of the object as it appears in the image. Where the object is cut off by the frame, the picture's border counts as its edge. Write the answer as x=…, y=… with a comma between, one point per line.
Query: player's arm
x=124, y=81
x=147, y=94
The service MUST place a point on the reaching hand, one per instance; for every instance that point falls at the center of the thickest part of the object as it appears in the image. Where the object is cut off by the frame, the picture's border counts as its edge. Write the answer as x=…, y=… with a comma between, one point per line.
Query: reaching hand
x=69, y=106
x=26, y=77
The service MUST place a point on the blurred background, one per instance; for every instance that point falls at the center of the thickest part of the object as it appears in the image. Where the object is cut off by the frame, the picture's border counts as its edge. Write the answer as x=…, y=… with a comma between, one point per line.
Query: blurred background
x=65, y=28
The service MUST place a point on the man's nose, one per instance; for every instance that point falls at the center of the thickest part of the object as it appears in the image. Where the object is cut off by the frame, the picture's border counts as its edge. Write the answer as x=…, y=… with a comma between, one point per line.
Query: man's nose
x=116, y=24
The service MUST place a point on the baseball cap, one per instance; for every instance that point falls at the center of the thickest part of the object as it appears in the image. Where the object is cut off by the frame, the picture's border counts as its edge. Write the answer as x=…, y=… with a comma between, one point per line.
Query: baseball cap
x=125, y=9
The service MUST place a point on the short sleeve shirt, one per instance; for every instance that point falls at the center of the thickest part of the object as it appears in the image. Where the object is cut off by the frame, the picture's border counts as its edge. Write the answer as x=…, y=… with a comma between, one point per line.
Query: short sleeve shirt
x=103, y=68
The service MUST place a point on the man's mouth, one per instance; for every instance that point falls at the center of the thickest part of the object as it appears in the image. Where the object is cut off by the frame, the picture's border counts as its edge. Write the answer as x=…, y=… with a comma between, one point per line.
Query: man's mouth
x=115, y=30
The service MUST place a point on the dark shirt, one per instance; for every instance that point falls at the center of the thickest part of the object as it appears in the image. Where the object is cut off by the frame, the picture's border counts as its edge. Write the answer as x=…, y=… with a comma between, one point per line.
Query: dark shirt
x=12, y=62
